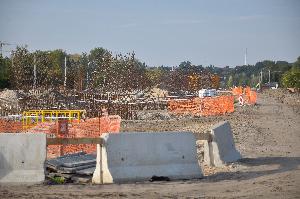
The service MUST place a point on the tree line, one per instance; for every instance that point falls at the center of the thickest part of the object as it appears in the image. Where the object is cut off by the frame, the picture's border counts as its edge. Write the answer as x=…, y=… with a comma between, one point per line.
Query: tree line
x=100, y=70
x=284, y=73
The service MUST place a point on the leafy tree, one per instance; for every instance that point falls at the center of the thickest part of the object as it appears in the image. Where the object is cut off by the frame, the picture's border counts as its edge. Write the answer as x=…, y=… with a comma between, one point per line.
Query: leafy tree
x=188, y=77
x=81, y=72
x=230, y=81
x=43, y=68
x=21, y=69
x=291, y=78
x=215, y=79
x=154, y=75
x=56, y=72
x=4, y=73
x=100, y=61
x=73, y=68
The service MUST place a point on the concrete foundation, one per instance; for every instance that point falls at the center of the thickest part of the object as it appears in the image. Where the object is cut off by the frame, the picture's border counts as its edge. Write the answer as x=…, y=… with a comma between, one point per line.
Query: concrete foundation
x=221, y=149
x=22, y=157
x=134, y=157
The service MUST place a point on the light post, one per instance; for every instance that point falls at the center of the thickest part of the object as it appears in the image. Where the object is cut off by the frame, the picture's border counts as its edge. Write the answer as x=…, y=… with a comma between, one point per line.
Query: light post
x=87, y=75
x=34, y=72
x=65, y=81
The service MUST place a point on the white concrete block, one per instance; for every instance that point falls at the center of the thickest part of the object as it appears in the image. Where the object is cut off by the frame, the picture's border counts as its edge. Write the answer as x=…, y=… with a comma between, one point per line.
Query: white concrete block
x=139, y=156
x=222, y=148
x=22, y=157
x=206, y=158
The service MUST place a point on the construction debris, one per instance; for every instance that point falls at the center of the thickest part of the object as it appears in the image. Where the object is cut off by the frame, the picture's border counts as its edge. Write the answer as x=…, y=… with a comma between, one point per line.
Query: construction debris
x=76, y=168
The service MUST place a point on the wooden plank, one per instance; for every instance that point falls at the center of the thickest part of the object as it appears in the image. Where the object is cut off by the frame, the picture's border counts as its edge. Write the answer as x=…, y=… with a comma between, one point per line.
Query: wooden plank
x=203, y=136
x=65, y=141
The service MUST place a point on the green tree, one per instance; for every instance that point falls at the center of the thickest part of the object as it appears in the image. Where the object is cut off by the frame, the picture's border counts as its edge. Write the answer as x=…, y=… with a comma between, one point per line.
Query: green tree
x=21, y=69
x=157, y=76
x=81, y=73
x=230, y=81
x=100, y=61
x=291, y=78
x=4, y=72
x=43, y=64
x=56, y=71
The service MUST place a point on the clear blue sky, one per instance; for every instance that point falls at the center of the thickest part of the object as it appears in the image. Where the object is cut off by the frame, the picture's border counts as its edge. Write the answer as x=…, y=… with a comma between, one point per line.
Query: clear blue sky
x=161, y=32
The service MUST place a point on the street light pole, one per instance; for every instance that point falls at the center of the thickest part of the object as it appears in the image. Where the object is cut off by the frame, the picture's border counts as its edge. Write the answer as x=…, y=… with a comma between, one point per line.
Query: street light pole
x=87, y=75
x=65, y=82
x=34, y=72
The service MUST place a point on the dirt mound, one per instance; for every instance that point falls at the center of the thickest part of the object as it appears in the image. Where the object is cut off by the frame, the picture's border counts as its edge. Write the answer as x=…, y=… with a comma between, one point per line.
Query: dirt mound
x=153, y=115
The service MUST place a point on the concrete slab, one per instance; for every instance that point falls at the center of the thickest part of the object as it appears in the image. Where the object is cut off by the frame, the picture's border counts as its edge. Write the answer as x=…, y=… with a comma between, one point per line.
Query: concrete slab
x=222, y=148
x=88, y=171
x=72, y=160
x=22, y=157
x=139, y=156
x=206, y=158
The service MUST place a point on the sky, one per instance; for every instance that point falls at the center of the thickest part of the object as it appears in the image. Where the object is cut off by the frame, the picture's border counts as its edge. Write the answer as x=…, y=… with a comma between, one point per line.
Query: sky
x=160, y=32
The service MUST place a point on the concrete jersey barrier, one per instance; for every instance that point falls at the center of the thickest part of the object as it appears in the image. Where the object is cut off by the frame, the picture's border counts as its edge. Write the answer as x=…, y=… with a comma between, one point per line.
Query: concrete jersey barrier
x=22, y=157
x=139, y=156
x=221, y=149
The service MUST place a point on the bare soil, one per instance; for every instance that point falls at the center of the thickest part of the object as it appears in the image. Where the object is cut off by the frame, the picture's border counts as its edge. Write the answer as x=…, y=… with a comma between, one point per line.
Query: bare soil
x=267, y=135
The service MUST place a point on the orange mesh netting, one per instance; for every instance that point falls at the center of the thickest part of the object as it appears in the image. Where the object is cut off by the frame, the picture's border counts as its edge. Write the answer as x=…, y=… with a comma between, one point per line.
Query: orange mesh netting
x=8, y=126
x=249, y=96
x=237, y=90
x=203, y=106
x=91, y=128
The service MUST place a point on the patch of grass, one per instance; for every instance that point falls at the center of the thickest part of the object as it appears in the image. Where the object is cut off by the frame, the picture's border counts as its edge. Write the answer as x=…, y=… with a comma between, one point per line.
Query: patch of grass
x=58, y=180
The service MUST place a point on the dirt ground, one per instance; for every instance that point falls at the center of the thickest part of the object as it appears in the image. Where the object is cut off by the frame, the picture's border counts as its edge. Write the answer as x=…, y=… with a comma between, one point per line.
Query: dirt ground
x=267, y=135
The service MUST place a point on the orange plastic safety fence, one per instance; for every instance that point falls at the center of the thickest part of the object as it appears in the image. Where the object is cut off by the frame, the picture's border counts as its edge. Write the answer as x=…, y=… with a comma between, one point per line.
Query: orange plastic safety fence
x=247, y=91
x=249, y=96
x=9, y=126
x=237, y=90
x=92, y=127
x=252, y=97
x=208, y=106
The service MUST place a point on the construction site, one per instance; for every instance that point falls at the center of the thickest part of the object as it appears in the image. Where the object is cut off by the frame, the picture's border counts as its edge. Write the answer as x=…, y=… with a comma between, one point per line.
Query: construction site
x=253, y=155
x=163, y=132
x=149, y=99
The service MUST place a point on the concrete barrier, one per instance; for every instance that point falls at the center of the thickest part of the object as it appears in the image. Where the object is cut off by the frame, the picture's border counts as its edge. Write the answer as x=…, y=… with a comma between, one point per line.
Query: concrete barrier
x=221, y=149
x=22, y=157
x=128, y=157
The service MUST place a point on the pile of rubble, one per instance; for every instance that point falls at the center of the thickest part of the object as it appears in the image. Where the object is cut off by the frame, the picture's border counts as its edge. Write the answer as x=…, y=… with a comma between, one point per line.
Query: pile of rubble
x=9, y=95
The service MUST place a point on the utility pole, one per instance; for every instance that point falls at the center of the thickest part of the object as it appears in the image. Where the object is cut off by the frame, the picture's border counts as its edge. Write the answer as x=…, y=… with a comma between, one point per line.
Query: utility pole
x=87, y=76
x=34, y=72
x=65, y=82
x=260, y=80
x=269, y=76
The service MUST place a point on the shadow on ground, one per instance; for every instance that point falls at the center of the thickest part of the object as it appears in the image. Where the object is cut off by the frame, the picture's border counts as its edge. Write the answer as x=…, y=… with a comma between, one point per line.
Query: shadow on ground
x=284, y=164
